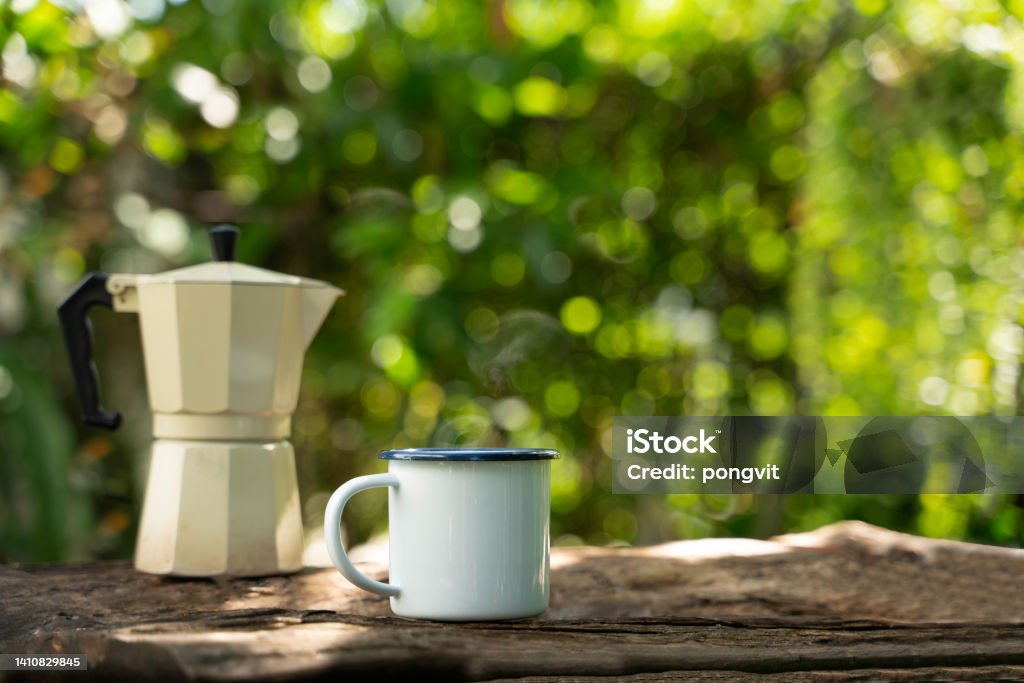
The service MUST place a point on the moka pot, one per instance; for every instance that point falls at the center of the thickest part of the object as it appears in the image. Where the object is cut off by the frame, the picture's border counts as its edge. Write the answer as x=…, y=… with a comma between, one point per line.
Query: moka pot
x=223, y=344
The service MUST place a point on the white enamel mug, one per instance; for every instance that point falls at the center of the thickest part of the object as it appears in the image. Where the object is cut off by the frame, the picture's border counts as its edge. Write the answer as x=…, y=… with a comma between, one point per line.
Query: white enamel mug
x=469, y=534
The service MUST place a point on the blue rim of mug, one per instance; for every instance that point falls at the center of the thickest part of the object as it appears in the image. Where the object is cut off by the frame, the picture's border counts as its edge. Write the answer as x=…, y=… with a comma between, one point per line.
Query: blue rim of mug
x=456, y=454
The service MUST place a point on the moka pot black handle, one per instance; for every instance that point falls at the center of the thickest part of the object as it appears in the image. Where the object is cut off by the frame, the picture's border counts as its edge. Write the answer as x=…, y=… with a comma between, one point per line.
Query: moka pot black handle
x=74, y=321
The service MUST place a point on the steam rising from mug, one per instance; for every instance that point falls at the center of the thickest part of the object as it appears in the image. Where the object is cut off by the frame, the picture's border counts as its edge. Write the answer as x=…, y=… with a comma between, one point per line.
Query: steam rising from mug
x=517, y=337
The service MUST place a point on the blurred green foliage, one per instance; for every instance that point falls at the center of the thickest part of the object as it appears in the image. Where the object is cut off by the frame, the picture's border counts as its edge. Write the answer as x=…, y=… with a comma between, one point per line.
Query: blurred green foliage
x=545, y=214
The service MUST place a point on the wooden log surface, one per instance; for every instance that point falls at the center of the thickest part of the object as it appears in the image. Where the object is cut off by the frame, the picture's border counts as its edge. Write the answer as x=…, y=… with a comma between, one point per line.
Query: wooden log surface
x=846, y=602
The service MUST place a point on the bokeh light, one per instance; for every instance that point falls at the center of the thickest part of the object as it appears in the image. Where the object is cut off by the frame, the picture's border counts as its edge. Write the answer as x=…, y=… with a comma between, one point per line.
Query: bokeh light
x=543, y=216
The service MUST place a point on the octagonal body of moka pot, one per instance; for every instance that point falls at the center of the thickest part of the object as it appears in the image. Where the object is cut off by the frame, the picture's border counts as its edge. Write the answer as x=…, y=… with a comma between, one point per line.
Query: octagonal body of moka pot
x=223, y=345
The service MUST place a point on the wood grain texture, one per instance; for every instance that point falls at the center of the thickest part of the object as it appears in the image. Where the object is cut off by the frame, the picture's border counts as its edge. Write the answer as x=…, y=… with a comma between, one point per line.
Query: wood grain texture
x=846, y=602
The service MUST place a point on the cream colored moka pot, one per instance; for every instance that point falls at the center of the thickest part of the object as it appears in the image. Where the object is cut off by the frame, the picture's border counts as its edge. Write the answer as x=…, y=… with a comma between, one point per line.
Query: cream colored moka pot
x=223, y=345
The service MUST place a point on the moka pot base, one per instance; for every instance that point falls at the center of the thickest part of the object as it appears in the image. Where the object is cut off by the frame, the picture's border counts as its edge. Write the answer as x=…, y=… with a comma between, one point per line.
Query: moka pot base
x=220, y=508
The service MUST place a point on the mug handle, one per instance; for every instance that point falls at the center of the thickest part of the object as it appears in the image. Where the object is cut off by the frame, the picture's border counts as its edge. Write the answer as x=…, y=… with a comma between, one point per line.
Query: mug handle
x=332, y=532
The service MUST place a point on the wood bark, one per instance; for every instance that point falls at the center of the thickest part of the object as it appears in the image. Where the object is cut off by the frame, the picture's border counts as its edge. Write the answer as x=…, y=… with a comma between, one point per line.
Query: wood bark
x=846, y=602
